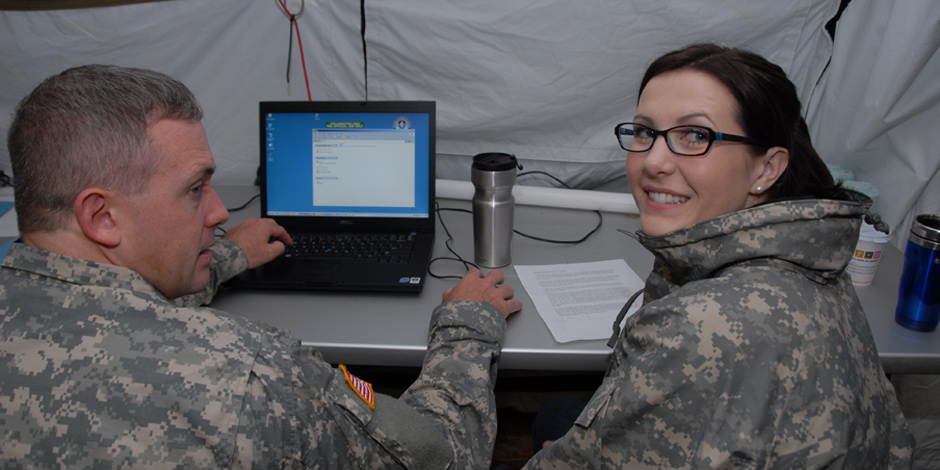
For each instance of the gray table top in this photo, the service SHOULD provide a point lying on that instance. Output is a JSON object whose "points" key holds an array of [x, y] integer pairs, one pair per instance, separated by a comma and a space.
{"points": [[391, 329]]}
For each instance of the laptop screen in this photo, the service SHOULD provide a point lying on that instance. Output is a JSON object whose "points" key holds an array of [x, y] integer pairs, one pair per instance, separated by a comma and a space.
{"points": [[348, 159]]}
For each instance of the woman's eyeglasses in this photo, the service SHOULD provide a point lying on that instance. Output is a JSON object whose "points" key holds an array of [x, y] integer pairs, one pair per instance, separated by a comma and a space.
{"points": [[689, 141]]}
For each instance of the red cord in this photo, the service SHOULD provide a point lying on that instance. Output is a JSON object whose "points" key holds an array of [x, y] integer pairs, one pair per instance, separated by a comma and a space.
{"points": [[300, 45]]}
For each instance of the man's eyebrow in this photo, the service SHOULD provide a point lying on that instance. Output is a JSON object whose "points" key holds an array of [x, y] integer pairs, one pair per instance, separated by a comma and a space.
{"points": [[201, 174]]}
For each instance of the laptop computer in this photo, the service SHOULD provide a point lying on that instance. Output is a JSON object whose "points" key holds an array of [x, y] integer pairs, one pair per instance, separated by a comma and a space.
{"points": [[346, 170]]}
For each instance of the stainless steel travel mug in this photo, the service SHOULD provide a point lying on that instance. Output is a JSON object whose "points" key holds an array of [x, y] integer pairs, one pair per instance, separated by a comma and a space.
{"points": [[493, 175], [919, 292]]}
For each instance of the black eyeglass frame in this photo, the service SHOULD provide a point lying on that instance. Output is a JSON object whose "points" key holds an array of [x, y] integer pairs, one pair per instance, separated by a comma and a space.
{"points": [[713, 136]]}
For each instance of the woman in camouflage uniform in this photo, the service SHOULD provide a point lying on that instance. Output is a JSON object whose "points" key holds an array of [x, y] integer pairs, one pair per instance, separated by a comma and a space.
{"points": [[751, 349]]}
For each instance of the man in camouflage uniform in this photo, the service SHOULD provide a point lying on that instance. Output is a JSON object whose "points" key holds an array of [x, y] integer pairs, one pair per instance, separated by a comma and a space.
{"points": [[751, 351], [108, 357]]}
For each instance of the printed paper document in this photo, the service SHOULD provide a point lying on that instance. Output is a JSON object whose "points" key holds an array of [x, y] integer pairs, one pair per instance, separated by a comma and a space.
{"points": [[580, 301]]}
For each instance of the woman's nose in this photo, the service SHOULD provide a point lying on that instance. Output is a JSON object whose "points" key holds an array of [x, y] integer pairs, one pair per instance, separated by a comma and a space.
{"points": [[659, 158]]}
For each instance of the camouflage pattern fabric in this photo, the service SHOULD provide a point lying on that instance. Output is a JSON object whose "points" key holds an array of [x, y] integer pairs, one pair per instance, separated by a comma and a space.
{"points": [[99, 370], [751, 351]]}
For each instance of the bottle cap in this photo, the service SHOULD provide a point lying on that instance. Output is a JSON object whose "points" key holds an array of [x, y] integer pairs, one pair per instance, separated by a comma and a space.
{"points": [[494, 161], [925, 231]]}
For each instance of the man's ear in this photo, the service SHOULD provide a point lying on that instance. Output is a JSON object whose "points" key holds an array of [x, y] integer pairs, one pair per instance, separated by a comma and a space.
{"points": [[775, 162], [94, 210]]}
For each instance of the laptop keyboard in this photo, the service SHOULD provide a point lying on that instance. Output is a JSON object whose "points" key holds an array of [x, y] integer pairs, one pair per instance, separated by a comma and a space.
{"points": [[370, 248]]}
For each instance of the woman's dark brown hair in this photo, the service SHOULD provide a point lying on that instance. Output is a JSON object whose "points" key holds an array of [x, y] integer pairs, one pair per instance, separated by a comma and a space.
{"points": [[768, 108]]}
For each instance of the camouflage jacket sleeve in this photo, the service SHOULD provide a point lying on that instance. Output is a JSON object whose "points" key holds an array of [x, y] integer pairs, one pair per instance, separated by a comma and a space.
{"points": [[455, 388], [228, 260], [300, 412]]}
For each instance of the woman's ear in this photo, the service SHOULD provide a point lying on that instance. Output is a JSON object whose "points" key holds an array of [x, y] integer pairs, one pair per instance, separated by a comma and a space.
{"points": [[773, 163], [94, 210]]}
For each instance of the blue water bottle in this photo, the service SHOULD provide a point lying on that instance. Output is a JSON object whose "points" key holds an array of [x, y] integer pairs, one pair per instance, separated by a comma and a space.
{"points": [[919, 292]]}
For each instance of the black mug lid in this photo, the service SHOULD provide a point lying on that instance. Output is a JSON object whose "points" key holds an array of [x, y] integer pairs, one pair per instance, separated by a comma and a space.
{"points": [[494, 161]]}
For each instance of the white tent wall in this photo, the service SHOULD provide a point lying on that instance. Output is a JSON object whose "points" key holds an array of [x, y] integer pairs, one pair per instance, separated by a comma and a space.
{"points": [[548, 81], [544, 80], [877, 109], [232, 54]]}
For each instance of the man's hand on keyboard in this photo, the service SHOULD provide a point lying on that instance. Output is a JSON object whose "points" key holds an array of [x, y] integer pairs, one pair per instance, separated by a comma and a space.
{"points": [[261, 239], [475, 287]]}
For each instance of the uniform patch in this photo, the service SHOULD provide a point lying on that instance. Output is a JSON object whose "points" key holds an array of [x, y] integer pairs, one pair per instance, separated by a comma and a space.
{"points": [[361, 387]]}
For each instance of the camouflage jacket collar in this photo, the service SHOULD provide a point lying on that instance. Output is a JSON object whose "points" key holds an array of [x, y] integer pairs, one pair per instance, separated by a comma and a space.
{"points": [[35, 261], [813, 236]]}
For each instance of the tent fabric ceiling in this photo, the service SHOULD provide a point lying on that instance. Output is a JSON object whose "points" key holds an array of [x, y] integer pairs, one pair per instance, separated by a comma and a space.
{"points": [[544, 80], [549, 81], [27, 5]]}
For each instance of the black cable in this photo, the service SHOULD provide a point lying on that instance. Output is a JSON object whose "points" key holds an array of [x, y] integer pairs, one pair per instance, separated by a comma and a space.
{"points": [[537, 172], [600, 217], [365, 58], [458, 258], [290, 45], [600, 221], [256, 196], [290, 29]]}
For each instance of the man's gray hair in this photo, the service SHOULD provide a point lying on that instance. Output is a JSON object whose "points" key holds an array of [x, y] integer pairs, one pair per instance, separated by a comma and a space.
{"points": [[87, 127]]}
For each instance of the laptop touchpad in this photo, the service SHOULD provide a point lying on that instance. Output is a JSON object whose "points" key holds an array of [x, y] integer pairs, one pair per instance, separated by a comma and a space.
{"points": [[315, 268]]}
